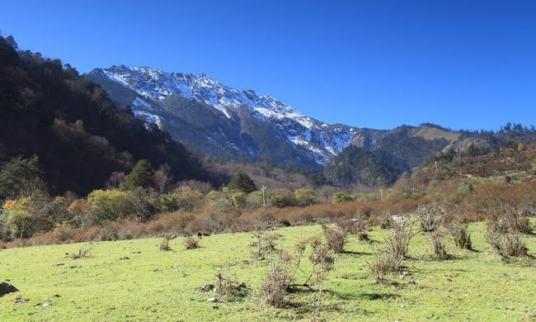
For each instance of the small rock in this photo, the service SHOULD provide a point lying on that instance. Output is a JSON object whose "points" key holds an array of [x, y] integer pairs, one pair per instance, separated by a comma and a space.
{"points": [[6, 288], [212, 300], [45, 303], [19, 300], [207, 287]]}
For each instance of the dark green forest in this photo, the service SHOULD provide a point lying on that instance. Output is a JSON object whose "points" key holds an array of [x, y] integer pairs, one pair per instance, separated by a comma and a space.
{"points": [[70, 127]]}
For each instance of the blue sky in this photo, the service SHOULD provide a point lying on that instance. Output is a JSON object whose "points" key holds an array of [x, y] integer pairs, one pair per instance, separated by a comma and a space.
{"points": [[379, 64]]}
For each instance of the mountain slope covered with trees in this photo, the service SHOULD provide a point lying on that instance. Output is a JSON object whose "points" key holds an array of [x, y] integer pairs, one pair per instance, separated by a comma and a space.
{"points": [[72, 130]]}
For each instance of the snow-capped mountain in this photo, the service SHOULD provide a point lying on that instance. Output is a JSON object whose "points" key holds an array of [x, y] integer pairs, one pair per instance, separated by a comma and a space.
{"points": [[216, 120], [241, 124]]}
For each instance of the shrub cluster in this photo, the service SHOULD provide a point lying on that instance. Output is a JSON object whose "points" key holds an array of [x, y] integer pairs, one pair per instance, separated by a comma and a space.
{"points": [[335, 238], [506, 243], [461, 237], [276, 284]]}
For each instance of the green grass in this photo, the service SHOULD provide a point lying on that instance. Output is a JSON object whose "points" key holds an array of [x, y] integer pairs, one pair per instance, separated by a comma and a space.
{"points": [[162, 286]]}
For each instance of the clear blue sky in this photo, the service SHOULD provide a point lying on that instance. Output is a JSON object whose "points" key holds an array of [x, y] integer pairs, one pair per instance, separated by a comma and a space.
{"points": [[463, 64]]}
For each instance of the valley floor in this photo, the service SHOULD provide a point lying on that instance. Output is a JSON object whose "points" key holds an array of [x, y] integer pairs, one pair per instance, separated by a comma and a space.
{"points": [[135, 281]]}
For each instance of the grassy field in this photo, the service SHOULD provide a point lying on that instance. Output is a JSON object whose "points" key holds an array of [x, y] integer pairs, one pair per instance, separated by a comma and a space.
{"points": [[154, 285]]}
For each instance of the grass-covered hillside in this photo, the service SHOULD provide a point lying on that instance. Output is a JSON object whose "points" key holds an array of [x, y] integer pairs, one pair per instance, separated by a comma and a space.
{"points": [[134, 280]]}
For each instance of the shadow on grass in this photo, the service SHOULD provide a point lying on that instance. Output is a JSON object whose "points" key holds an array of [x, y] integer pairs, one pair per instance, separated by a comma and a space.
{"points": [[305, 306], [303, 310], [523, 261], [372, 241], [345, 296], [379, 296], [355, 276], [351, 252], [433, 258]]}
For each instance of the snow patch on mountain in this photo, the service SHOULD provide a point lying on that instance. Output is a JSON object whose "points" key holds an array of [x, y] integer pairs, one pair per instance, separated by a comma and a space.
{"points": [[138, 102], [148, 118]]}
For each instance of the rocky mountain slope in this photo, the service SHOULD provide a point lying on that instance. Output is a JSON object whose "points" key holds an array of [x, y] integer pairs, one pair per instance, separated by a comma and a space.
{"points": [[218, 120]]}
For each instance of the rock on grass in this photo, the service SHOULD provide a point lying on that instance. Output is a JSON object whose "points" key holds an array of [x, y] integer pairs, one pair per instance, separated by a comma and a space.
{"points": [[6, 288]]}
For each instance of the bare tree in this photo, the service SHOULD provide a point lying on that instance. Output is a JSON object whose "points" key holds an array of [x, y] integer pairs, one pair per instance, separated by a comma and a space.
{"points": [[162, 178]]}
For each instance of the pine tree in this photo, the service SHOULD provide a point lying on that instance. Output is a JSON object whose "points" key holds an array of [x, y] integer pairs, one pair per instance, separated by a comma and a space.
{"points": [[140, 175], [242, 182], [21, 177]]}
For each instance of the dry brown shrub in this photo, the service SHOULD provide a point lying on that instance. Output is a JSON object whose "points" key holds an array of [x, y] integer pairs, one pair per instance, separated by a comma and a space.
{"points": [[228, 288], [491, 199], [323, 261], [335, 238], [275, 286], [398, 243], [191, 243], [461, 237], [164, 244], [440, 250], [384, 264], [430, 217], [509, 220], [60, 234], [357, 225], [264, 244], [81, 253], [384, 221], [209, 220], [506, 244]]}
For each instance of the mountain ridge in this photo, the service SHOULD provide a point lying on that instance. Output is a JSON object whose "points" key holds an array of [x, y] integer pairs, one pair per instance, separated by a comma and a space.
{"points": [[216, 120], [241, 125]]}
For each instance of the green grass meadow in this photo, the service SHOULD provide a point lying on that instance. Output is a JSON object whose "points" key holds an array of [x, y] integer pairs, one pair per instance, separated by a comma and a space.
{"points": [[155, 285]]}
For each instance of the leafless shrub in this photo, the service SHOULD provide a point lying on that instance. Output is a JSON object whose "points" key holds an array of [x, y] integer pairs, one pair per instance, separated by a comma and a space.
{"points": [[335, 238], [430, 217], [523, 225], [81, 253], [461, 237], [322, 260], [385, 221], [507, 245], [227, 288], [518, 220], [264, 244], [358, 225], [398, 243], [191, 243], [276, 284], [439, 247], [509, 220], [384, 264], [164, 244]]}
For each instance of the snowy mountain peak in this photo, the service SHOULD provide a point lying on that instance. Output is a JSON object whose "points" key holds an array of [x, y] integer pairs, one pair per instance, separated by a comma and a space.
{"points": [[318, 141], [157, 85]]}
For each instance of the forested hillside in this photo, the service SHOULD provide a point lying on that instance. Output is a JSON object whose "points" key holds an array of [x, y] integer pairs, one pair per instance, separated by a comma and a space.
{"points": [[71, 129]]}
